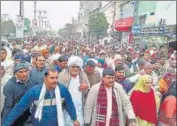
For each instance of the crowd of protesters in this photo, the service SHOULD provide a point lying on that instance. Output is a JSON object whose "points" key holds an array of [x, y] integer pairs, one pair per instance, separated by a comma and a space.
{"points": [[45, 82]]}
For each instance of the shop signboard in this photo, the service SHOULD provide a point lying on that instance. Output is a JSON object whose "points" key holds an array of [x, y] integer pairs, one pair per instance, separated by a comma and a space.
{"points": [[161, 30], [136, 29]]}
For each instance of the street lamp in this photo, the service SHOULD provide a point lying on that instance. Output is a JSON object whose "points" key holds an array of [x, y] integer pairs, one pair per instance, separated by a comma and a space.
{"points": [[41, 17]]}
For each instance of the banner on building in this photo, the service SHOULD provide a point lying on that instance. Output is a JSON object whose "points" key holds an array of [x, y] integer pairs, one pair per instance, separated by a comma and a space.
{"points": [[160, 30]]}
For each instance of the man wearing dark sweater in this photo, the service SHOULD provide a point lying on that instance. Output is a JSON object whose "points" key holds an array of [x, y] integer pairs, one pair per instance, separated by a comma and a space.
{"points": [[15, 88]]}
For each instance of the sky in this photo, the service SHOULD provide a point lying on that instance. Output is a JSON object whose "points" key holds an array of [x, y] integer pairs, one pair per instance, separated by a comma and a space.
{"points": [[58, 12]]}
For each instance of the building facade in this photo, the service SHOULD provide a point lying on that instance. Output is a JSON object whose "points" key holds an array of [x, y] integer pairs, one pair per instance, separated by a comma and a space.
{"points": [[86, 7], [124, 20], [154, 14]]}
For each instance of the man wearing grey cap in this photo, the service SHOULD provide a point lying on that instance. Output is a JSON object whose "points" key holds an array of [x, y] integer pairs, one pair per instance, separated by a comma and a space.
{"points": [[106, 102], [15, 88]]}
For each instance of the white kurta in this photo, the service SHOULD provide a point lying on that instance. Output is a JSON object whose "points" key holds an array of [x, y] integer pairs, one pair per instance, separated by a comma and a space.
{"points": [[4, 80], [109, 105], [77, 99], [7, 63]]}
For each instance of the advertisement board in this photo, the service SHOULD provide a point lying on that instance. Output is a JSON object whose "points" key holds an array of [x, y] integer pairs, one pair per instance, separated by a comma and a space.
{"points": [[160, 30]]}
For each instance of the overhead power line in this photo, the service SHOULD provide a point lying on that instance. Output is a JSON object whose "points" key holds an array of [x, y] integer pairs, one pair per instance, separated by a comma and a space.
{"points": [[106, 7]]}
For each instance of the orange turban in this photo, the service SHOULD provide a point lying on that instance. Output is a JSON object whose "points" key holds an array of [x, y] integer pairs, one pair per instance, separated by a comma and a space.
{"points": [[44, 52]]}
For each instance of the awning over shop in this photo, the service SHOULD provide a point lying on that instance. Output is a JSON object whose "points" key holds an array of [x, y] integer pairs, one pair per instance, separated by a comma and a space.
{"points": [[124, 25]]}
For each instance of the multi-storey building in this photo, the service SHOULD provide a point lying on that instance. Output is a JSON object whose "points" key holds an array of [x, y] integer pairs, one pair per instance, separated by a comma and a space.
{"points": [[155, 16], [143, 14], [124, 19], [86, 7]]}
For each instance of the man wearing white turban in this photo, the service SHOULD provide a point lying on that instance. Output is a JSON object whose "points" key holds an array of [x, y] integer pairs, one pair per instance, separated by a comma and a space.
{"points": [[77, 83]]}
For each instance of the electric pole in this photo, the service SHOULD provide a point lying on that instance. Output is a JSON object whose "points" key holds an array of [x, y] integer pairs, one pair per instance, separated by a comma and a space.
{"points": [[35, 9], [20, 21], [22, 9], [34, 20], [136, 12], [39, 20], [113, 16]]}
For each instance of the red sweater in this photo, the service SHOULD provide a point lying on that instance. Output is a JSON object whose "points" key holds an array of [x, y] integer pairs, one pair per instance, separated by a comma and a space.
{"points": [[144, 106]]}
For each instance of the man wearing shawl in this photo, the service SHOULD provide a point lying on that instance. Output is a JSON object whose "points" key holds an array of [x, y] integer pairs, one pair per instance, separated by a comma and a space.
{"points": [[106, 102], [47, 102]]}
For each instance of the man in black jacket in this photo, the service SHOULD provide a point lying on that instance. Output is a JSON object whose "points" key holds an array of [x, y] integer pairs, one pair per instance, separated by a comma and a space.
{"points": [[15, 88]]}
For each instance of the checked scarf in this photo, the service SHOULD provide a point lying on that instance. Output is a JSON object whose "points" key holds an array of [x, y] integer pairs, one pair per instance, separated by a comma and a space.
{"points": [[101, 108]]}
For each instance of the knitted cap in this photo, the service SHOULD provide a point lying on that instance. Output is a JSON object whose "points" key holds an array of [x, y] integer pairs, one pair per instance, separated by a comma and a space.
{"points": [[21, 65]]}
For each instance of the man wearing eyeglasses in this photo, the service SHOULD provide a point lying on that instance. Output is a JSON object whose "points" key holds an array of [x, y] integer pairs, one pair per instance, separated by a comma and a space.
{"points": [[77, 83]]}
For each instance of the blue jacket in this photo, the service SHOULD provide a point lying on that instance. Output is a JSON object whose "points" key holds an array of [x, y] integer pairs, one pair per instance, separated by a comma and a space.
{"points": [[49, 115], [13, 92], [38, 75], [126, 85], [58, 69]]}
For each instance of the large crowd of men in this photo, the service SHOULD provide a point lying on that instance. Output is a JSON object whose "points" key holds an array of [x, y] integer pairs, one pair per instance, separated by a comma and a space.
{"points": [[45, 82]]}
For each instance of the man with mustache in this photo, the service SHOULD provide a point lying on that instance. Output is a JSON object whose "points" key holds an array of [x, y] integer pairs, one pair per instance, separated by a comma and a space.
{"points": [[106, 101], [47, 101]]}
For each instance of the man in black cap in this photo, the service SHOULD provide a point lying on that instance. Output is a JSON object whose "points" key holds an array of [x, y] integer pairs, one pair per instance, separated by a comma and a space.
{"points": [[106, 102], [15, 88], [92, 75]]}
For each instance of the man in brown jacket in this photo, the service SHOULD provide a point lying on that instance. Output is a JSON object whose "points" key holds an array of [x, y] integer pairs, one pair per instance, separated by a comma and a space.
{"points": [[92, 75]]}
